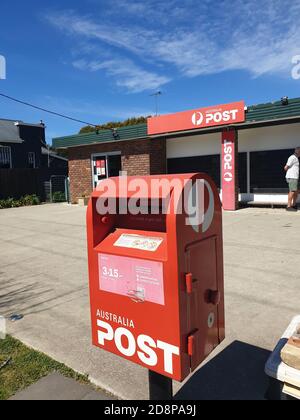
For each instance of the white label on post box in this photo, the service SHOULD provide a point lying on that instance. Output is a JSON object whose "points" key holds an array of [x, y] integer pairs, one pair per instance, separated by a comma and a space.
{"points": [[145, 243], [141, 280]]}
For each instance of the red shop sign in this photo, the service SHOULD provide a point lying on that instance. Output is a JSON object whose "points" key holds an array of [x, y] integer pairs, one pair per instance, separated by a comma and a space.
{"points": [[199, 118]]}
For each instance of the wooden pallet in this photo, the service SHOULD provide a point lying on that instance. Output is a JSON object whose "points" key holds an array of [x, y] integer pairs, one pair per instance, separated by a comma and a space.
{"points": [[290, 354]]}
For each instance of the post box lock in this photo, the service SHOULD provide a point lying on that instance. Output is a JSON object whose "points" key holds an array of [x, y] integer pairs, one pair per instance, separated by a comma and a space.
{"points": [[214, 297], [104, 220]]}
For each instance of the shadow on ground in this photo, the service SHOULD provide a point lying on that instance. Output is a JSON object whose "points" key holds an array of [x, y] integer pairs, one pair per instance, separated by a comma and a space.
{"points": [[237, 373], [33, 298]]}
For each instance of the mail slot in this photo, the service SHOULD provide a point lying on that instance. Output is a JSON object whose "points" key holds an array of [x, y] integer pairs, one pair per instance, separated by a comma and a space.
{"points": [[155, 253]]}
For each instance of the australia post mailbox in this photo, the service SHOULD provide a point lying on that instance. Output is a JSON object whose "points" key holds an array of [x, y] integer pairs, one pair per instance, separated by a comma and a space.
{"points": [[156, 270]]}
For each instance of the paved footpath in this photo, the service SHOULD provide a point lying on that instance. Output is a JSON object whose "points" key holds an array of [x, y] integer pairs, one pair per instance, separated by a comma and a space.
{"points": [[43, 275], [56, 387]]}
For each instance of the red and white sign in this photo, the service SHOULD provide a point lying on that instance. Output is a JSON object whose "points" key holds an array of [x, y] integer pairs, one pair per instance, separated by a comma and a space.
{"points": [[199, 118], [139, 310], [228, 170], [100, 167], [132, 277], [149, 351]]}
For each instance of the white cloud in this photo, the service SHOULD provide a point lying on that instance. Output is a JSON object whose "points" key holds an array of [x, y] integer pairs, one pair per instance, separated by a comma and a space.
{"points": [[162, 12], [196, 38], [129, 76]]}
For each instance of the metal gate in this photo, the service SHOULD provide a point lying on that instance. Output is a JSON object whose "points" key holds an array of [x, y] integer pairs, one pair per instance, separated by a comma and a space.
{"points": [[59, 189]]}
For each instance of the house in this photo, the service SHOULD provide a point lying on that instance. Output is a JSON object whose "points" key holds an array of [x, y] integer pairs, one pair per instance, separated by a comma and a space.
{"points": [[23, 145], [27, 164]]}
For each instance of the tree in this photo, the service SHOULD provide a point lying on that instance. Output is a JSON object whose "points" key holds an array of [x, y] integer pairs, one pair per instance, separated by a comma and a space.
{"points": [[114, 124]]}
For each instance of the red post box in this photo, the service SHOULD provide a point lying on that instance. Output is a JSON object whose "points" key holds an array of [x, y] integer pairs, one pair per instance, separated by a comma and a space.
{"points": [[156, 275]]}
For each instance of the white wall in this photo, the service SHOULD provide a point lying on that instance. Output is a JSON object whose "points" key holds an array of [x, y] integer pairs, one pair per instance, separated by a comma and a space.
{"points": [[270, 138], [256, 139], [207, 144]]}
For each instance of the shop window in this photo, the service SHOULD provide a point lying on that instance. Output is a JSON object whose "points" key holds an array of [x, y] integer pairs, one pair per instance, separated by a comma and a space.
{"points": [[114, 165], [243, 173], [5, 157], [207, 164], [267, 171]]}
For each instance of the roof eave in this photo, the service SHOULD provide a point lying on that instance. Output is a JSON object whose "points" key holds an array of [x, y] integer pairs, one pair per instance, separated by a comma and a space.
{"points": [[19, 123], [102, 142], [269, 123], [16, 141], [59, 157], [243, 126]]}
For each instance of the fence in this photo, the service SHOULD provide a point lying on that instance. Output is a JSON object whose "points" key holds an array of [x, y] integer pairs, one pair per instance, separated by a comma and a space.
{"points": [[16, 183]]}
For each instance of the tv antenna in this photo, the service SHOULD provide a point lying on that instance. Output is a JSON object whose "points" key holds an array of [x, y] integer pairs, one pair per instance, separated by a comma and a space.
{"points": [[156, 96]]}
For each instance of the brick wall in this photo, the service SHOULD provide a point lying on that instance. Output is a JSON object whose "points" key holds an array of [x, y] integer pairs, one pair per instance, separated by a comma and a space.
{"points": [[139, 157]]}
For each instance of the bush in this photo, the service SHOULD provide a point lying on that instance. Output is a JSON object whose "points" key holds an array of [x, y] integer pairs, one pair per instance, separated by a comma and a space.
{"points": [[58, 197], [4, 204], [28, 200]]}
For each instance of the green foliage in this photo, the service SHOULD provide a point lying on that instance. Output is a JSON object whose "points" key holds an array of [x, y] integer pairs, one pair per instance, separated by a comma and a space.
{"points": [[58, 197], [27, 200], [30, 200], [26, 367], [116, 124]]}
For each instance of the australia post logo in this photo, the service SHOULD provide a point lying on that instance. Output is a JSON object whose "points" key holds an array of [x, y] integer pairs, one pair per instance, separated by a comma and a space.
{"points": [[118, 333], [228, 161], [197, 118], [232, 113], [214, 117]]}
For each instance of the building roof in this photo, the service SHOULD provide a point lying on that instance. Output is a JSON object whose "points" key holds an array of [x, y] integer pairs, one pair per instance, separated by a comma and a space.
{"points": [[257, 115], [273, 111], [54, 155], [132, 132], [9, 132]]}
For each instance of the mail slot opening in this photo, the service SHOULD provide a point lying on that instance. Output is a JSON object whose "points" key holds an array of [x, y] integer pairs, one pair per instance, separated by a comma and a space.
{"points": [[142, 214]]}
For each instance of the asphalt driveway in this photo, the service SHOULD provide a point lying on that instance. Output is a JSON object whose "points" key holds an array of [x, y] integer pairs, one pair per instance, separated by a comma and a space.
{"points": [[43, 275]]}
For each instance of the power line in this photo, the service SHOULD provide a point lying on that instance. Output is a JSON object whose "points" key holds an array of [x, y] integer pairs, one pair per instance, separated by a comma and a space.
{"points": [[47, 110]]}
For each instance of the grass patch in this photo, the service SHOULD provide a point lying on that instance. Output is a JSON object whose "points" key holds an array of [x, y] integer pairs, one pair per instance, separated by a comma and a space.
{"points": [[26, 367]]}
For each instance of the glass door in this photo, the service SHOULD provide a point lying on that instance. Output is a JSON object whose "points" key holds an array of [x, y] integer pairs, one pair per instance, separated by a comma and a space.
{"points": [[99, 169], [114, 165], [106, 166]]}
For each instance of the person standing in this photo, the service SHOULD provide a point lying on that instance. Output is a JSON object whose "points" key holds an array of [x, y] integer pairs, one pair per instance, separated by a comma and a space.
{"points": [[292, 177]]}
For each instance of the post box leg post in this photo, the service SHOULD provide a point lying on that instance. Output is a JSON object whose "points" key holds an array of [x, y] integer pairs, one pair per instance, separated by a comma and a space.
{"points": [[160, 387]]}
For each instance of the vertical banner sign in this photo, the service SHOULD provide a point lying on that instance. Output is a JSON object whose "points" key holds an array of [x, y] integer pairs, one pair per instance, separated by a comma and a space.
{"points": [[229, 173]]}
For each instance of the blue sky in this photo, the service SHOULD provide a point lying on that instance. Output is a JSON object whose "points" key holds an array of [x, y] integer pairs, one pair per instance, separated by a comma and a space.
{"points": [[100, 60]]}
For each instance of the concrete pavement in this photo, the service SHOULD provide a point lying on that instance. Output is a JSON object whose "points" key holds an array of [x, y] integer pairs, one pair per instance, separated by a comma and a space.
{"points": [[56, 387], [43, 275]]}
